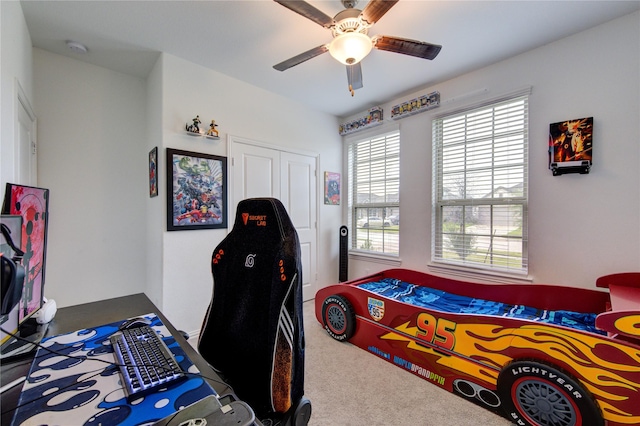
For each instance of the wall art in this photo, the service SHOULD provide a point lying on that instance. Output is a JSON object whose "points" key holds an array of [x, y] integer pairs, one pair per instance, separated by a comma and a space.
{"points": [[196, 190], [332, 188], [153, 172], [571, 146]]}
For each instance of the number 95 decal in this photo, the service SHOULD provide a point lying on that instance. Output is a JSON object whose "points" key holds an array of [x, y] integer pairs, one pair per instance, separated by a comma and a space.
{"points": [[437, 331]]}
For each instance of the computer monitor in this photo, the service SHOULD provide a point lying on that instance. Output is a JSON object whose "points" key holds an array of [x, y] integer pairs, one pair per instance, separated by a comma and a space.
{"points": [[32, 204]]}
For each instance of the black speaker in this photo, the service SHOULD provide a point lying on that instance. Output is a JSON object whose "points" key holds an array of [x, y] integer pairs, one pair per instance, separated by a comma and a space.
{"points": [[343, 271]]}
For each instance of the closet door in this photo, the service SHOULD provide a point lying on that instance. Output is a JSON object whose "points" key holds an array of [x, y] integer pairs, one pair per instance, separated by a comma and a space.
{"points": [[256, 173], [298, 194], [263, 171]]}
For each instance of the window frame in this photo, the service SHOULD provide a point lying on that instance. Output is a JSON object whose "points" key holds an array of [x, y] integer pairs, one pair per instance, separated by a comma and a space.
{"points": [[384, 136], [440, 202]]}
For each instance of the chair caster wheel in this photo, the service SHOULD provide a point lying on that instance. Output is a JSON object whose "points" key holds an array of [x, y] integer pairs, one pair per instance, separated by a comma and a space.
{"points": [[302, 414]]}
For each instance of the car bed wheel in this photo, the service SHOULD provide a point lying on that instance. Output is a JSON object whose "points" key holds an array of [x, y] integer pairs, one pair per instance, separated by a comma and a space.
{"points": [[534, 393], [338, 317]]}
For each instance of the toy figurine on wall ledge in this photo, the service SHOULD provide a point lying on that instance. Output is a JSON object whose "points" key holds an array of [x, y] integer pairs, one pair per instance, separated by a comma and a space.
{"points": [[212, 133], [194, 129]]}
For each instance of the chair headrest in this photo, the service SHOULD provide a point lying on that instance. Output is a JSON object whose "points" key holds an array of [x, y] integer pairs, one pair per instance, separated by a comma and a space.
{"points": [[263, 215]]}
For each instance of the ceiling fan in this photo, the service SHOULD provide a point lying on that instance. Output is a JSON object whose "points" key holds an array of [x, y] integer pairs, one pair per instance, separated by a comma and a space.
{"points": [[350, 42]]}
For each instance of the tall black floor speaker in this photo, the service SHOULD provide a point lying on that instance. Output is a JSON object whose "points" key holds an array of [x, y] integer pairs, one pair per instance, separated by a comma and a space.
{"points": [[343, 272]]}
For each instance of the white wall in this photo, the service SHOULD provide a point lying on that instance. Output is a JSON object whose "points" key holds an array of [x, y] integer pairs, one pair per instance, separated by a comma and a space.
{"points": [[580, 226], [107, 238], [16, 65], [155, 222], [251, 113], [93, 158]]}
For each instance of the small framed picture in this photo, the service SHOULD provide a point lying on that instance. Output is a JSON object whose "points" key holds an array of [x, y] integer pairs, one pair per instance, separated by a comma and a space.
{"points": [[196, 190], [332, 188], [571, 140], [153, 172]]}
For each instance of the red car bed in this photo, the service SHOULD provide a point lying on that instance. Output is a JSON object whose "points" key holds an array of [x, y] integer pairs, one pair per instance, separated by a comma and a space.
{"points": [[538, 354]]}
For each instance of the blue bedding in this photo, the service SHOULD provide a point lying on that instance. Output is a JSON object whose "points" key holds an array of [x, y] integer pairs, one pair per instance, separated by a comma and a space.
{"points": [[442, 301]]}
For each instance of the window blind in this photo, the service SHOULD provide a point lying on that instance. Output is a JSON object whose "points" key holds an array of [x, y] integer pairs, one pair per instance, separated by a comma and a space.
{"points": [[480, 187], [374, 196]]}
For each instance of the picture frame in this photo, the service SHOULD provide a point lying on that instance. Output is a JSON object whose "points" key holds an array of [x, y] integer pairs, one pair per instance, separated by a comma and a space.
{"points": [[571, 146], [332, 188], [153, 172], [196, 190], [32, 204], [571, 140]]}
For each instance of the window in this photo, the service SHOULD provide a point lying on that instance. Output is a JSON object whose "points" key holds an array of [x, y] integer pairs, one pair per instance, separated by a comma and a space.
{"points": [[374, 193], [480, 187]]}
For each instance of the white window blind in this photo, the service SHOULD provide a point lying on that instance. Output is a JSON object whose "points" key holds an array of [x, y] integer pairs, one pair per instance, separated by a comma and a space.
{"points": [[374, 193], [480, 187]]}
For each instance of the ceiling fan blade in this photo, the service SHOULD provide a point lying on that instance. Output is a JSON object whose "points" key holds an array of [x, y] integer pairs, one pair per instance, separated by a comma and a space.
{"points": [[305, 9], [405, 46], [298, 59], [375, 9], [354, 77]]}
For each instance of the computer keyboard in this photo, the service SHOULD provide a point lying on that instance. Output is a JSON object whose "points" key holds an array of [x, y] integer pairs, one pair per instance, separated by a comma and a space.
{"points": [[145, 361]]}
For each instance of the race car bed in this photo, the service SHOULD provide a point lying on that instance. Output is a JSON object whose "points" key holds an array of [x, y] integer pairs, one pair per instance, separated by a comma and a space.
{"points": [[538, 354]]}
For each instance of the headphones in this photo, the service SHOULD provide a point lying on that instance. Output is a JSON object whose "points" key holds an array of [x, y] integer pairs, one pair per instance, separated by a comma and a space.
{"points": [[13, 274]]}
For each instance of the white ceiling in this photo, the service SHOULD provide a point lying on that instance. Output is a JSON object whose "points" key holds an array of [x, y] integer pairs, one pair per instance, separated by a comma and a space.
{"points": [[244, 39]]}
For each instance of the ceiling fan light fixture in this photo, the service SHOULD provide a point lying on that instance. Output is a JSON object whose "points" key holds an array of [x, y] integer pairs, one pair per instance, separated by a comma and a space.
{"points": [[350, 48]]}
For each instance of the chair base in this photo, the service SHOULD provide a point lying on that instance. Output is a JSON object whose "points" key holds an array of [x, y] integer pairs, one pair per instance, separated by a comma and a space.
{"points": [[298, 415]]}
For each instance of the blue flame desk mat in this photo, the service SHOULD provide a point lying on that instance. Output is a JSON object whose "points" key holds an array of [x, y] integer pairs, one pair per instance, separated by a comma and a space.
{"points": [[60, 390]]}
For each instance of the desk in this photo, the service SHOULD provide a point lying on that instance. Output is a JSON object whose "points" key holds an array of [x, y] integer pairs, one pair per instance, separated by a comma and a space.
{"points": [[94, 314]]}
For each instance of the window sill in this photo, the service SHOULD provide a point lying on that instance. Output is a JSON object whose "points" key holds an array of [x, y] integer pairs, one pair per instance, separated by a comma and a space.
{"points": [[375, 258], [479, 274]]}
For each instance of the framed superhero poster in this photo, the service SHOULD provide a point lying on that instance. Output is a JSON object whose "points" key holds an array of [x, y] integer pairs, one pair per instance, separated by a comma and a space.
{"points": [[33, 205], [196, 191]]}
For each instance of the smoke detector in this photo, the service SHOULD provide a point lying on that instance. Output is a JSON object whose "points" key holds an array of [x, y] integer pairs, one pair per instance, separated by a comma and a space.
{"points": [[76, 47]]}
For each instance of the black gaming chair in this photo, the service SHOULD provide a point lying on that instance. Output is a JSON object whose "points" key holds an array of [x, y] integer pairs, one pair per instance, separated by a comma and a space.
{"points": [[253, 333]]}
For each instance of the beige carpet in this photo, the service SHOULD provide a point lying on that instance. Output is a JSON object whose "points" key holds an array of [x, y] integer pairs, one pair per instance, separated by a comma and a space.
{"points": [[348, 386]]}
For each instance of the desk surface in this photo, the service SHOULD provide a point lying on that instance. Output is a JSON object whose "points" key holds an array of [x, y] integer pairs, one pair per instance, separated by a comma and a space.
{"points": [[94, 314]]}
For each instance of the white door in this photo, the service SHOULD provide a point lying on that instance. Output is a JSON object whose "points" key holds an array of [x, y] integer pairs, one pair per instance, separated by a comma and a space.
{"points": [[298, 194], [27, 164], [255, 172], [259, 171]]}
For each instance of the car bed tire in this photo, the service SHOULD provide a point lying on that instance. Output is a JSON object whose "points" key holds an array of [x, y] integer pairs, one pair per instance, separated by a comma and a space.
{"points": [[531, 390], [338, 317]]}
